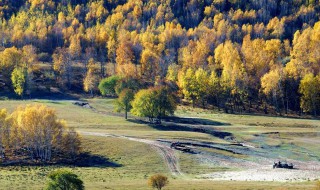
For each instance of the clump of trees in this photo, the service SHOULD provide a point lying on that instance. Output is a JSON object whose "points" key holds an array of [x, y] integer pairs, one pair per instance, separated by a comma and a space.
{"points": [[158, 181], [143, 101], [62, 179], [34, 133]]}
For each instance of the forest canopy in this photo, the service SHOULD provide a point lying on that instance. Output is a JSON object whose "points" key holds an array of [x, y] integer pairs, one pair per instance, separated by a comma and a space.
{"points": [[231, 54]]}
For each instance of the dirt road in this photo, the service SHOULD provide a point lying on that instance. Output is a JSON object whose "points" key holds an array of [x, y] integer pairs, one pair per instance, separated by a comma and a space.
{"points": [[165, 151]]}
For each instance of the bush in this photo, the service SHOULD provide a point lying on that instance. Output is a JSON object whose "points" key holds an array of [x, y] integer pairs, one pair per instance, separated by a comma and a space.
{"points": [[158, 181], [61, 180]]}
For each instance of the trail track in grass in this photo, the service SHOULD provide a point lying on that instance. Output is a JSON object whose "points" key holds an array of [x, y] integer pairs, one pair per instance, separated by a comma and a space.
{"points": [[165, 151]]}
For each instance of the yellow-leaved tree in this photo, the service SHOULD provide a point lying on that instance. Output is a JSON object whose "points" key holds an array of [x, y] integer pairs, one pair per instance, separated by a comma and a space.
{"points": [[271, 86], [3, 116], [35, 132], [62, 66], [227, 55], [233, 77], [149, 65], [75, 46], [309, 88], [90, 82], [10, 59], [125, 58], [305, 55]]}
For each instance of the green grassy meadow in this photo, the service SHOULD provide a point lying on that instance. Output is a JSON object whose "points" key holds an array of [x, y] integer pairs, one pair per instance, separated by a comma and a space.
{"points": [[128, 164]]}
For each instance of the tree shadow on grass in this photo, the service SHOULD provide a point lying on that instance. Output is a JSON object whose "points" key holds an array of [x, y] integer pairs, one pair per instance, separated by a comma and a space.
{"points": [[89, 160], [83, 160], [182, 120], [187, 124], [193, 121]]}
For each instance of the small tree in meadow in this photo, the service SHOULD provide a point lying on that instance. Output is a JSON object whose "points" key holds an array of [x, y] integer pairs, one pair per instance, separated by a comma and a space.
{"points": [[64, 180], [153, 103], [158, 181], [123, 103]]}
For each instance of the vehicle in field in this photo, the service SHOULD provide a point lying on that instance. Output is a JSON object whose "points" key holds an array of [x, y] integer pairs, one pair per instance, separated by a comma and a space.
{"points": [[280, 164]]}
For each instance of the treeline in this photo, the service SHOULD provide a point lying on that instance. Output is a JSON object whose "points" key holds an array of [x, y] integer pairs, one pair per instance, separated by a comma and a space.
{"points": [[33, 133], [232, 54]]}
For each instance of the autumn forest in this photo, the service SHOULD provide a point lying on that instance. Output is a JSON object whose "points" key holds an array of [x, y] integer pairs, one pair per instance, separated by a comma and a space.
{"points": [[234, 55]]}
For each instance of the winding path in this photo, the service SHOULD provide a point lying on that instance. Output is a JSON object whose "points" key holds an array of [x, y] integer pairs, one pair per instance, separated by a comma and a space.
{"points": [[165, 151]]}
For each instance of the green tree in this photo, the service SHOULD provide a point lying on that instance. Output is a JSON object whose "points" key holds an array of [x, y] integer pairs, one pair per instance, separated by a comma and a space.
{"points": [[124, 100], [165, 102], [215, 91], [194, 85], [202, 81], [158, 181], [18, 81], [107, 85], [172, 73], [186, 81], [128, 83], [153, 103], [64, 180]]}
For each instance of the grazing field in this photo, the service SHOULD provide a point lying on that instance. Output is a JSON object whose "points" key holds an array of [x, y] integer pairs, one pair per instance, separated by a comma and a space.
{"points": [[226, 151]]}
